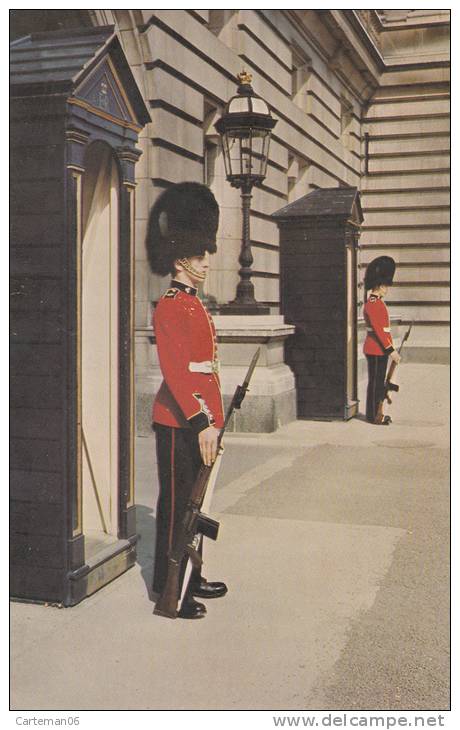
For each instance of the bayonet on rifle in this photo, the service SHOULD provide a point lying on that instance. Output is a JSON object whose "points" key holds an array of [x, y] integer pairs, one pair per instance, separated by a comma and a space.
{"points": [[406, 337], [388, 384], [240, 392]]}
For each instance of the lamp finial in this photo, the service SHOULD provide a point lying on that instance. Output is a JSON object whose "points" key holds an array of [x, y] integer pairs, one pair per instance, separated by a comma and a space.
{"points": [[244, 77]]}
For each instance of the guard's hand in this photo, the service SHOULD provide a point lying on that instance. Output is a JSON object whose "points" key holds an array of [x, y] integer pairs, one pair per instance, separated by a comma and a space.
{"points": [[395, 356], [207, 441]]}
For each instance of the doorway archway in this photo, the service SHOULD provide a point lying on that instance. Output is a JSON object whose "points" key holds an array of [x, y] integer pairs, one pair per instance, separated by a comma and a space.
{"points": [[100, 347]]}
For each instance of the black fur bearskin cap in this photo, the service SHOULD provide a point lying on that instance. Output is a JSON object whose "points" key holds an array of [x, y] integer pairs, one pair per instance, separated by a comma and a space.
{"points": [[380, 271], [183, 222]]}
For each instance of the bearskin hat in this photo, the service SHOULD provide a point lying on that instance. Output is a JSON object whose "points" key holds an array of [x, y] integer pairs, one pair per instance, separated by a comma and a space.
{"points": [[380, 271], [183, 222]]}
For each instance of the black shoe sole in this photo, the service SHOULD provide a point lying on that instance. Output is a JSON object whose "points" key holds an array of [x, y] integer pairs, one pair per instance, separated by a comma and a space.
{"points": [[209, 595], [192, 615]]}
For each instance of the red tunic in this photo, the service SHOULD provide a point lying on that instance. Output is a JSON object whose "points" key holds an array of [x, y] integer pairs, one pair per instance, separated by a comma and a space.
{"points": [[378, 340], [186, 341]]}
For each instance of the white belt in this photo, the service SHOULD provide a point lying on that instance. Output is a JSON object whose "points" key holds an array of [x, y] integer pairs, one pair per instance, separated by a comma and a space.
{"points": [[385, 329], [207, 366]]}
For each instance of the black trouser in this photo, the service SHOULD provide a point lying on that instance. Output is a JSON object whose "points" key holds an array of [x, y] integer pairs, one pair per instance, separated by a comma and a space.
{"points": [[179, 461], [377, 369]]}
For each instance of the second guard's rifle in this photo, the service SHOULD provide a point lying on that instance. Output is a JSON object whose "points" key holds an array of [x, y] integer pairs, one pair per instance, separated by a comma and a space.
{"points": [[389, 385], [194, 520]]}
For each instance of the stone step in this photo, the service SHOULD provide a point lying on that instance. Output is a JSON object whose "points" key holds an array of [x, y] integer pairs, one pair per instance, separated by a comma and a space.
{"points": [[427, 336], [407, 217], [420, 292], [400, 182], [396, 145], [397, 127], [418, 163], [407, 109], [401, 236], [411, 254], [389, 201], [429, 272], [432, 312]]}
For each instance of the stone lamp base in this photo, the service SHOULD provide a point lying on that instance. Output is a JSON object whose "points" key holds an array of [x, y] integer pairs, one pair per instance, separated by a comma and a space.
{"points": [[271, 399]]}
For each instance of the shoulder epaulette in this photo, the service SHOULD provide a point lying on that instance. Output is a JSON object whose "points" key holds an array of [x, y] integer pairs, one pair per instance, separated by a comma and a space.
{"points": [[171, 293]]}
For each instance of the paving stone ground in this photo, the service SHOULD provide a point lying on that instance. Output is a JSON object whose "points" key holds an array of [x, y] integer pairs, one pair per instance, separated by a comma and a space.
{"points": [[334, 542]]}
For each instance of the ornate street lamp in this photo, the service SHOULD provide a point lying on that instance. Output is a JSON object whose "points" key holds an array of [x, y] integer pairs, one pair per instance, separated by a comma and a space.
{"points": [[245, 129]]}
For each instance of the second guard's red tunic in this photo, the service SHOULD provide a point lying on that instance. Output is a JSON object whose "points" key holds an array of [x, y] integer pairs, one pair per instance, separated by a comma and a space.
{"points": [[189, 395], [378, 340]]}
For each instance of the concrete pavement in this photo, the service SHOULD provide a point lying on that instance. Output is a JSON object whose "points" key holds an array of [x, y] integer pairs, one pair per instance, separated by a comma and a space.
{"points": [[334, 543]]}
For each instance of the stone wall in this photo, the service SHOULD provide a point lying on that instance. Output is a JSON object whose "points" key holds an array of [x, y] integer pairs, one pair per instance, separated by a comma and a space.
{"points": [[406, 193], [330, 77]]}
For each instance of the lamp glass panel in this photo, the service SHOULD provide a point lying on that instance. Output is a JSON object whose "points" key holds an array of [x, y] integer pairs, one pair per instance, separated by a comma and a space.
{"points": [[246, 156], [246, 151], [259, 106], [265, 149], [260, 153], [235, 153], [257, 155], [226, 142], [238, 104]]}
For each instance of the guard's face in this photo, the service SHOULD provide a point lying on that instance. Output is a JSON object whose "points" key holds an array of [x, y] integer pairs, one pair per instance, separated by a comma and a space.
{"points": [[200, 264], [194, 268]]}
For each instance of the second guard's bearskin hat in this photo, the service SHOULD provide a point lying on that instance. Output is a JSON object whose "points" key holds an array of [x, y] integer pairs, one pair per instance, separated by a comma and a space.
{"points": [[183, 222], [380, 271]]}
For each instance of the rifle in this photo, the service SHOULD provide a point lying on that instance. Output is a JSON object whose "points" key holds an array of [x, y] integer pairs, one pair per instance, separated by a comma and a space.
{"points": [[194, 521], [389, 385]]}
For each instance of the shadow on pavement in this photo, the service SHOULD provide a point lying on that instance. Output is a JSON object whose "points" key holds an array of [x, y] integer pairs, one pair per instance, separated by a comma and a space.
{"points": [[146, 527]]}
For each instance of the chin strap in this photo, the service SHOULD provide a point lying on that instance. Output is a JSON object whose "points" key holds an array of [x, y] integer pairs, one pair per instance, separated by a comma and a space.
{"points": [[185, 263]]}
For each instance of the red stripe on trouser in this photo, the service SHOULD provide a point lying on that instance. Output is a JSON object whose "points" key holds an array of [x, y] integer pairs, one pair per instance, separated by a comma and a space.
{"points": [[374, 399], [171, 523]]}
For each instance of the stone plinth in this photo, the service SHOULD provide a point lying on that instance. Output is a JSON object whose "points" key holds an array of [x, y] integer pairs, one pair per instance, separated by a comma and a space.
{"points": [[271, 401]]}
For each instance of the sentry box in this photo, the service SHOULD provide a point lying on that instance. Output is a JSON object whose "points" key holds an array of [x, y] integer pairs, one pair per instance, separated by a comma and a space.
{"points": [[76, 117], [319, 236]]}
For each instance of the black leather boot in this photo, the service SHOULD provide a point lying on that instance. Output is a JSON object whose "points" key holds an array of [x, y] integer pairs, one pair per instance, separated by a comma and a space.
{"points": [[205, 589], [191, 609]]}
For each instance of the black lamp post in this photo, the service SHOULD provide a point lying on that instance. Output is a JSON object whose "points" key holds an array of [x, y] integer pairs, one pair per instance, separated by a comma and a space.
{"points": [[245, 129]]}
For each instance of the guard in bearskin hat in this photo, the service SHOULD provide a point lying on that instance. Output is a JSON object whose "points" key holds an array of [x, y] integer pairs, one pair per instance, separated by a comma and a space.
{"points": [[378, 345], [187, 411], [183, 222]]}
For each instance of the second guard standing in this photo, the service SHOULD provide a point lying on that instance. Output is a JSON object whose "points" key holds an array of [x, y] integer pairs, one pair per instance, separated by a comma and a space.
{"points": [[378, 345]]}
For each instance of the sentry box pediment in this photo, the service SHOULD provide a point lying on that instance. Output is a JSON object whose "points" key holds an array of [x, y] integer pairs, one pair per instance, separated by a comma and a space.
{"points": [[329, 204], [76, 116], [84, 64], [102, 94]]}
